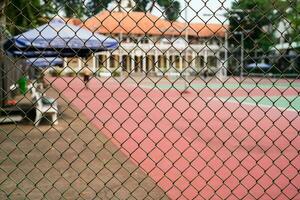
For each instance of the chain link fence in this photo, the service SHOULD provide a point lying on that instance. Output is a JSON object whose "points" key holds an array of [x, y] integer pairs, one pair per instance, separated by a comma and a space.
{"points": [[140, 99]]}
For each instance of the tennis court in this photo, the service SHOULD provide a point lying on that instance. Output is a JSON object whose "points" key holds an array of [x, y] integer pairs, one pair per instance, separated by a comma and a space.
{"points": [[223, 139]]}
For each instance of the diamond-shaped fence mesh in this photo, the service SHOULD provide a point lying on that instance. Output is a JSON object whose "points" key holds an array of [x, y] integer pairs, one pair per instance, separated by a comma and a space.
{"points": [[141, 99]]}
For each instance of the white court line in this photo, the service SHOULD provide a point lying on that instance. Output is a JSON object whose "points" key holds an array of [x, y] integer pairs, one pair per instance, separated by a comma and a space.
{"points": [[253, 104]]}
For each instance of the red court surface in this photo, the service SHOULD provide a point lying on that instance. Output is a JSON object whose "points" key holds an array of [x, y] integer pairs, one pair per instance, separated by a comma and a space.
{"points": [[194, 145]]}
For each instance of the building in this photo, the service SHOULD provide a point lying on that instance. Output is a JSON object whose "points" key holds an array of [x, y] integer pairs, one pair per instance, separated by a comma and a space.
{"points": [[151, 44]]}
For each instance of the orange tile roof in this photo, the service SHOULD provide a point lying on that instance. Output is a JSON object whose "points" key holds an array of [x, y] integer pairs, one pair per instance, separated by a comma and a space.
{"points": [[73, 21], [140, 23]]}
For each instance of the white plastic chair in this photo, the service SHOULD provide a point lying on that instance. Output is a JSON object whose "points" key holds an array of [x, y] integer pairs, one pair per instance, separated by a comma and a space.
{"points": [[44, 106]]}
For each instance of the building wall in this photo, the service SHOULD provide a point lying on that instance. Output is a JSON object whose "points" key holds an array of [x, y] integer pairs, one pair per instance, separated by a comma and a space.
{"points": [[138, 54]]}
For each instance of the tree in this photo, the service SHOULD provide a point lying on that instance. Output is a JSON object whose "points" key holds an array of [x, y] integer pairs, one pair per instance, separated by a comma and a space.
{"points": [[257, 20], [141, 5], [79, 8], [22, 15], [95, 6], [293, 17], [172, 10], [71, 8], [171, 7]]}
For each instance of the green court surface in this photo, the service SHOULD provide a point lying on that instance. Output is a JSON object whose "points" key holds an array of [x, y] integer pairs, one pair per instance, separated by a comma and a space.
{"points": [[291, 103], [181, 84], [287, 102]]}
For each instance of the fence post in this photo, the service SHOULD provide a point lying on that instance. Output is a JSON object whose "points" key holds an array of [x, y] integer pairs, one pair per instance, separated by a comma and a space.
{"points": [[2, 37]]}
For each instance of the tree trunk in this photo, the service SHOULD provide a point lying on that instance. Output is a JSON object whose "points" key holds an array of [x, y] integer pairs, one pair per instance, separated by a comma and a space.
{"points": [[2, 56]]}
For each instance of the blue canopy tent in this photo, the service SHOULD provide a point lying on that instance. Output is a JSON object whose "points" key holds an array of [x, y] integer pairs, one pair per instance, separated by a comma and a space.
{"points": [[44, 62], [58, 38], [55, 39], [36, 66]]}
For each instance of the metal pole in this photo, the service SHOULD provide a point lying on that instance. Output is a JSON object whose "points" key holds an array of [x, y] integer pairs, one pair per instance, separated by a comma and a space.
{"points": [[2, 65], [242, 54], [226, 54], [187, 43]]}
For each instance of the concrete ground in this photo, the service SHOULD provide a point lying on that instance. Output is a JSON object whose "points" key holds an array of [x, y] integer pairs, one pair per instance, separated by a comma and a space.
{"points": [[71, 160]]}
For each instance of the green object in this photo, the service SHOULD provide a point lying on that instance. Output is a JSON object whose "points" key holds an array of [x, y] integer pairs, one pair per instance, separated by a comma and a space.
{"points": [[23, 84]]}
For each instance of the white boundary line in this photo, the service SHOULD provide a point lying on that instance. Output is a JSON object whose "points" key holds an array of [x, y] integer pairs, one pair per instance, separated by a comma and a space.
{"points": [[253, 104]]}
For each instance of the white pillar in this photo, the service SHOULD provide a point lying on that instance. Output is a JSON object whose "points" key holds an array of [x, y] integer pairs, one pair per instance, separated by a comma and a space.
{"points": [[79, 64], [132, 63], [100, 61], [108, 61], [121, 62], [65, 62], [172, 62], [168, 60], [128, 58], [205, 59], [186, 60], [156, 61], [97, 62], [116, 61], [194, 59], [180, 63], [94, 63], [144, 62], [219, 65]]}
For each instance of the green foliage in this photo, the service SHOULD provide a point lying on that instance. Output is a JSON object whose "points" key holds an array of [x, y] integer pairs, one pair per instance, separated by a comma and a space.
{"points": [[71, 8], [258, 19], [171, 7], [294, 18], [172, 11], [21, 15], [141, 5], [76, 8], [95, 6], [255, 19]]}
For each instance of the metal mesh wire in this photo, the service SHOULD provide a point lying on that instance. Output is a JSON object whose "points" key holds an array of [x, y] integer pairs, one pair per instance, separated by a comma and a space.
{"points": [[139, 99]]}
